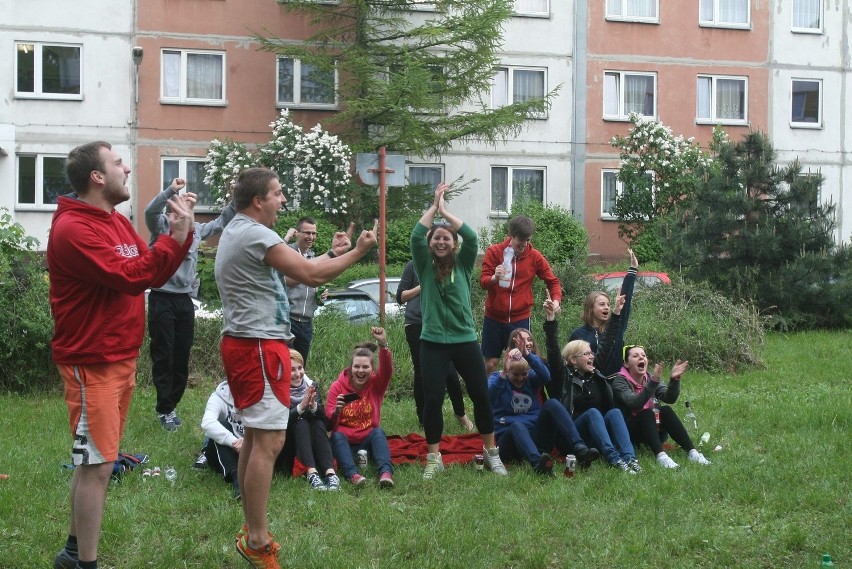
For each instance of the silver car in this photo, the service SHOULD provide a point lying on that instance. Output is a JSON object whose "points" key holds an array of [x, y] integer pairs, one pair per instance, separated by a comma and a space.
{"points": [[371, 287]]}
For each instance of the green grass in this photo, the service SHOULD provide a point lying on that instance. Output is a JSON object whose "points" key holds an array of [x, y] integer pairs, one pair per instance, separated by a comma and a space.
{"points": [[777, 494]]}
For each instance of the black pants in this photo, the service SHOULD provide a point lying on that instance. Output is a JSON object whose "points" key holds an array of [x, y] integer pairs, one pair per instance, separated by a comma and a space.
{"points": [[303, 334], [644, 429], [171, 326], [222, 458], [454, 390], [313, 448], [467, 359]]}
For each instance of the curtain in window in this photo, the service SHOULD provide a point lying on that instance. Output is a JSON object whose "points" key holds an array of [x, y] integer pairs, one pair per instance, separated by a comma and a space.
{"points": [[54, 179], [171, 170], [500, 88], [203, 76], [499, 189], [171, 74], [316, 86], [527, 85], [611, 94], [527, 185], [639, 95], [632, 8], [806, 14], [531, 6], [706, 9], [702, 102], [730, 99], [609, 191], [285, 80], [733, 11], [429, 176]]}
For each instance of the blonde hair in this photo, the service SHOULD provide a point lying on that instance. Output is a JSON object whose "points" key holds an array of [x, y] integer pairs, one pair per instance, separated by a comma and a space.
{"points": [[518, 366], [294, 355], [574, 348], [589, 307]]}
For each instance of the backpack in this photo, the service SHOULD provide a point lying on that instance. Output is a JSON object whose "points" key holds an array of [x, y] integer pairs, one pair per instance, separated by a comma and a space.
{"points": [[126, 463]]}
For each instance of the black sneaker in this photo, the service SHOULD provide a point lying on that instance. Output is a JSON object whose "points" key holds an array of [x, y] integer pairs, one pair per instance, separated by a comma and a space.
{"points": [[200, 462], [623, 466], [585, 455], [237, 494], [167, 420], [544, 466], [64, 560]]}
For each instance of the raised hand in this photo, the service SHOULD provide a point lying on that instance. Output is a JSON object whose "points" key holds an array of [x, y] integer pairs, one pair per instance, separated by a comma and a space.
{"points": [[678, 369], [181, 217], [634, 262], [620, 301], [368, 239], [380, 334]]}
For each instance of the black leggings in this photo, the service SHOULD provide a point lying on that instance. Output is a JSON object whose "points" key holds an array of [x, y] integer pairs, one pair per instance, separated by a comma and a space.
{"points": [[412, 336], [313, 448], [467, 359], [644, 429]]}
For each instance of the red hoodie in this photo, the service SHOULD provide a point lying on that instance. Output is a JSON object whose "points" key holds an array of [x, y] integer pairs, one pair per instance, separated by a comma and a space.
{"points": [[515, 302], [99, 267], [359, 417]]}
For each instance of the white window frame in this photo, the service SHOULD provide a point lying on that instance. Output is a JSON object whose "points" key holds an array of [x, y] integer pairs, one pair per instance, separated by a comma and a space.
{"points": [[38, 77], [713, 119], [183, 173], [38, 204], [410, 167], [528, 11], [615, 11], [797, 29], [716, 21], [806, 124], [297, 88], [182, 98], [621, 115], [619, 190], [510, 71], [509, 187]]}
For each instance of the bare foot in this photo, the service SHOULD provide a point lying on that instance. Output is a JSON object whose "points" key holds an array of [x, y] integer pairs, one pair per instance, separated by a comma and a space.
{"points": [[465, 422]]}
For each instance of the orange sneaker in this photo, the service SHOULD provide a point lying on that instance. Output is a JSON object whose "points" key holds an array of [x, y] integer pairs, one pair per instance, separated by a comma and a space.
{"points": [[264, 558]]}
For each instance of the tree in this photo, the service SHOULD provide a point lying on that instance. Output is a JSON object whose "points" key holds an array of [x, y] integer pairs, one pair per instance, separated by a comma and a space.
{"points": [[410, 80], [757, 232]]}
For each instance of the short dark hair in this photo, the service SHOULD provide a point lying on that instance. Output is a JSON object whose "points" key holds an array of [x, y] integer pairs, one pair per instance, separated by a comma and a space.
{"points": [[82, 161], [250, 183], [303, 220], [521, 226]]}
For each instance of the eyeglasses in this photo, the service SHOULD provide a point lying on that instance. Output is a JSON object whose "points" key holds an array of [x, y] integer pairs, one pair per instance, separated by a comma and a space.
{"points": [[629, 347]]}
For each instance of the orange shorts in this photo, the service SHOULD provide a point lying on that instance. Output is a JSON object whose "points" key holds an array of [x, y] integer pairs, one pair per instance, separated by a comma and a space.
{"points": [[258, 372], [98, 399]]}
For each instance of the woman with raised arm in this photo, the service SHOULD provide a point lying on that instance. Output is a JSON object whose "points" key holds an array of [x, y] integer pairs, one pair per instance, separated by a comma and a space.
{"points": [[449, 336]]}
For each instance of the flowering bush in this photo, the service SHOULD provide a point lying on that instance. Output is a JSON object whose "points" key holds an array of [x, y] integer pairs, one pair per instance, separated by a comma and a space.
{"points": [[225, 160]]}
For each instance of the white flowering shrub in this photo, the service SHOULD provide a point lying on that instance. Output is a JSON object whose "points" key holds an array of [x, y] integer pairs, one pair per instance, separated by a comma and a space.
{"points": [[225, 160]]}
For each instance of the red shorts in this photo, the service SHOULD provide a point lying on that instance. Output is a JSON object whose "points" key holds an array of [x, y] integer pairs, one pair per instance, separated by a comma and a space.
{"points": [[254, 366], [98, 399]]}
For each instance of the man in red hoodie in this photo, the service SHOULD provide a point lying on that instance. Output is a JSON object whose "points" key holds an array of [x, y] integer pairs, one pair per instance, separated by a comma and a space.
{"points": [[99, 269], [508, 270]]}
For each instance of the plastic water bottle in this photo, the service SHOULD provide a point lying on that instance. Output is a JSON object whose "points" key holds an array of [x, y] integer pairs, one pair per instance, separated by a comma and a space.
{"points": [[704, 438], [690, 415], [171, 474], [508, 255], [826, 561]]}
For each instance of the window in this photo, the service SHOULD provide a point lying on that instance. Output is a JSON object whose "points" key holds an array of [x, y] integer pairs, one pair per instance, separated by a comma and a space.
{"points": [[722, 100], [512, 184], [807, 103], [41, 180], [807, 16], [532, 7], [193, 77], [429, 175], [303, 84], [725, 13], [611, 189], [191, 170], [626, 93], [48, 71], [633, 10], [511, 85]]}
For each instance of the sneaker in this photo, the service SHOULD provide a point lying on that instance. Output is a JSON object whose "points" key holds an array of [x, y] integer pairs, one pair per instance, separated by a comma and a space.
{"points": [[177, 420], [623, 466], [434, 465], [696, 456], [666, 461], [386, 480], [544, 466], [64, 560], [585, 455], [634, 466], [167, 420], [466, 423], [200, 462], [357, 480], [493, 462], [264, 558], [237, 493], [332, 482], [315, 481]]}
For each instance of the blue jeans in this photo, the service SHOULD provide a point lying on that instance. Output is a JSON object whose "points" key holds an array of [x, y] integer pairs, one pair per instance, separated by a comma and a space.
{"points": [[376, 445], [552, 428], [303, 335], [602, 430]]}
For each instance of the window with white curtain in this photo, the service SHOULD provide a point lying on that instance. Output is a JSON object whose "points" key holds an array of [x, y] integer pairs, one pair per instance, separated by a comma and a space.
{"points": [[628, 92], [511, 184], [41, 180], [633, 10], [517, 85], [807, 15], [194, 77], [612, 188], [305, 85], [429, 175], [726, 13], [806, 103], [721, 99], [48, 71], [191, 170], [532, 7]]}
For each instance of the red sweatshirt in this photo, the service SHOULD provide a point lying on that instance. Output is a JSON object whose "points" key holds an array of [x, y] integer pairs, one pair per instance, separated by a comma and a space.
{"points": [[99, 267], [358, 418], [515, 302]]}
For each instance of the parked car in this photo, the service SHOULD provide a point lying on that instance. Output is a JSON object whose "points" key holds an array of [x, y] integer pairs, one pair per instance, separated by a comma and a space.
{"points": [[353, 303], [611, 282], [371, 287]]}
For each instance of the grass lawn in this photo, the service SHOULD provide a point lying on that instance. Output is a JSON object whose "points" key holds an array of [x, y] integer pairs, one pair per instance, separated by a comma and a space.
{"points": [[777, 495]]}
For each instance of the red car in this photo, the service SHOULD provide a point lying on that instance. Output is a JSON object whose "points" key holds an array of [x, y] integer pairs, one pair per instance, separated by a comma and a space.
{"points": [[611, 282]]}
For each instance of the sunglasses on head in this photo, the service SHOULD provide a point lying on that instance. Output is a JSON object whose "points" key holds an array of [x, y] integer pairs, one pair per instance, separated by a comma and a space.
{"points": [[628, 347]]}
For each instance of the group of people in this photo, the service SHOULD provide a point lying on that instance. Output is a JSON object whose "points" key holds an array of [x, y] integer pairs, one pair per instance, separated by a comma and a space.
{"points": [[99, 268]]}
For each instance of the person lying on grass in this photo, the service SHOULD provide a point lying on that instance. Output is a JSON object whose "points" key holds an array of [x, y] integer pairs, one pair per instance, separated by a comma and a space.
{"points": [[354, 410]]}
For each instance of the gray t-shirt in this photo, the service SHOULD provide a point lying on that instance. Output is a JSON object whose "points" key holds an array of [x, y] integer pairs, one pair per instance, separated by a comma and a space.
{"points": [[254, 297]]}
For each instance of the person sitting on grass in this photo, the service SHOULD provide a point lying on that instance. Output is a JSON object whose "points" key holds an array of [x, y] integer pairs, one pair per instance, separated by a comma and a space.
{"points": [[223, 429], [525, 428], [639, 394], [354, 410], [307, 428]]}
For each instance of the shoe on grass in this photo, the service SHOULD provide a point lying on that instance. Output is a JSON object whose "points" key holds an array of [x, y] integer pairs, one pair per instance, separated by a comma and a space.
{"points": [[623, 466], [493, 462], [64, 560], [585, 455], [544, 466], [332, 482], [665, 461], [167, 420], [434, 465], [696, 456], [237, 493], [315, 481], [635, 466], [264, 558], [357, 480], [200, 462], [386, 480]]}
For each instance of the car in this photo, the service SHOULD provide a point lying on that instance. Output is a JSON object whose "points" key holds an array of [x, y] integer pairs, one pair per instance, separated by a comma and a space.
{"points": [[371, 287], [611, 282], [353, 303]]}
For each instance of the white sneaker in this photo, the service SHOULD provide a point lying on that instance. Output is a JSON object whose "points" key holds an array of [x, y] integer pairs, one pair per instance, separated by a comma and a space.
{"points": [[493, 462], [666, 461], [434, 465], [696, 456]]}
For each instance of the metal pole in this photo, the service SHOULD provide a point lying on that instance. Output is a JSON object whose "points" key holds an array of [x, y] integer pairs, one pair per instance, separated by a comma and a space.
{"points": [[381, 235]]}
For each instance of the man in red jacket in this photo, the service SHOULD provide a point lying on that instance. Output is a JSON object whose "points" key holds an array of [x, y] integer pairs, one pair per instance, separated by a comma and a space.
{"points": [[508, 270], [99, 269]]}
